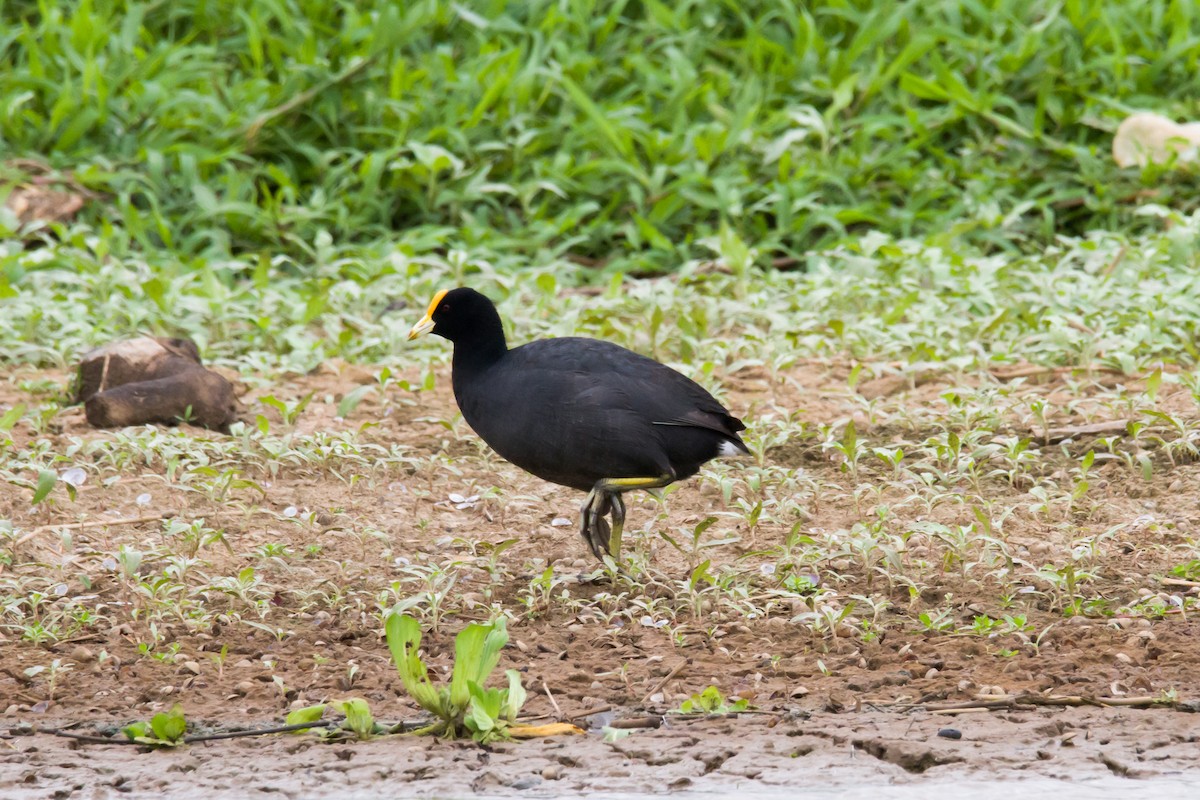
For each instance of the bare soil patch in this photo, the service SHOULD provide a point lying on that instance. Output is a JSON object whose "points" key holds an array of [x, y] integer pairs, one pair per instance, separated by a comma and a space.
{"points": [[835, 705]]}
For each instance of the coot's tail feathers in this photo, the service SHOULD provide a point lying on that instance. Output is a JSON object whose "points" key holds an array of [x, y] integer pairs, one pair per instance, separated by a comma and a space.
{"points": [[726, 425], [736, 441]]}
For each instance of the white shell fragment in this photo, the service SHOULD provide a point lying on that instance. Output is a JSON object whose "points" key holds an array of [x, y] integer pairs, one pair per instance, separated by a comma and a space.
{"points": [[74, 476], [459, 501]]}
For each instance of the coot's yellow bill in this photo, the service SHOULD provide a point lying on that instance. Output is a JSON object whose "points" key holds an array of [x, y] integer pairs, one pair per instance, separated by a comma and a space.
{"points": [[426, 324]]}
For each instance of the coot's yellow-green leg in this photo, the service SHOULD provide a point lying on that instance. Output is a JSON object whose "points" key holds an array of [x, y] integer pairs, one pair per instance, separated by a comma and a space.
{"points": [[606, 494], [613, 540], [592, 526]]}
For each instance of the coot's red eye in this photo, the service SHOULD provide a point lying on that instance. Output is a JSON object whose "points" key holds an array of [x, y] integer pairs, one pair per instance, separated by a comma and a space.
{"points": [[444, 308]]}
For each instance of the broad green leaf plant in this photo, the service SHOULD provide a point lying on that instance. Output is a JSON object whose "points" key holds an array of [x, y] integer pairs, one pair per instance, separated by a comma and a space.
{"points": [[465, 708], [165, 729]]}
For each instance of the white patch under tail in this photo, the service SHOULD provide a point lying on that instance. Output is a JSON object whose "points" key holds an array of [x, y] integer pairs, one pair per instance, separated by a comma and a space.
{"points": [[728, 448]]}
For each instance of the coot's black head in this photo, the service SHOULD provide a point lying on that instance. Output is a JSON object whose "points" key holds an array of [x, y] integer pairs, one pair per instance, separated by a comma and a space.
{"points": [[464, 316]]}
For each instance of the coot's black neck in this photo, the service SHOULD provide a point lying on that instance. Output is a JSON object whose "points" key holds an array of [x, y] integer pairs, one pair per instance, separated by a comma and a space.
{"points": [[480, 346]]}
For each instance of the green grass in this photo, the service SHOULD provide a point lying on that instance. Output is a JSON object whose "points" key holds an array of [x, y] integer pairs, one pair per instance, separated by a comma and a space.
{"points": [[618, 133]]}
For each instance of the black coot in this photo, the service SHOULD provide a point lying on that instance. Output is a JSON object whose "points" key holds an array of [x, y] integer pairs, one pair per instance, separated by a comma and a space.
{"points": [[579, 412]]}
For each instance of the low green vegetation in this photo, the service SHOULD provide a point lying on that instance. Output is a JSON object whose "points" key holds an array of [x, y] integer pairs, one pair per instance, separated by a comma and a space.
{"points": [[712, 701], [887, 235], [165, 729], [863, 512], [924, 492], [464, 707]]}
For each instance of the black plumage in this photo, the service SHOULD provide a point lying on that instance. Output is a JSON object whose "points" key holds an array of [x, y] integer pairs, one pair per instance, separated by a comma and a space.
{"points": [[579, 412]]}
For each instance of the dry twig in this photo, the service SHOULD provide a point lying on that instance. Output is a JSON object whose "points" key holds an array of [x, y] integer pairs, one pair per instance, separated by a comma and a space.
{"points": [[666, 679], [95, 523]]}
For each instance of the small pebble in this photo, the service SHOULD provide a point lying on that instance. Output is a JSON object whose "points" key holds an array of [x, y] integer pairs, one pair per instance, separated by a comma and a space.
{"points": [[244, 688], [526, 783], [551, 773], [950, 733]]}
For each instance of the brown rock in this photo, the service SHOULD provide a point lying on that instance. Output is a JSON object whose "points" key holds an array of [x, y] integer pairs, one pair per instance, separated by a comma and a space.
{"points": [[153, 380]]}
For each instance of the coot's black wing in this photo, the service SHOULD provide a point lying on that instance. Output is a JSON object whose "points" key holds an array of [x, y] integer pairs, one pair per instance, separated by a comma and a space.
{"points": [[574, 410]]}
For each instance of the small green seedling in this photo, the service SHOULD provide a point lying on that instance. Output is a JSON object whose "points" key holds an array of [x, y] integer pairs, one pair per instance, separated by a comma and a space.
{"points": [[711, 701], [308, 714], [359, 719], [615, 734], [359, 725], [11, 417], [45, 483], [165, 729], [1189, 570], [350, 401], [290, 412]]}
